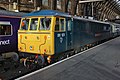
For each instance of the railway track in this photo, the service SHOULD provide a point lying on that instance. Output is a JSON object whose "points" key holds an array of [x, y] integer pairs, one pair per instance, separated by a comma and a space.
{"points": [[10, 70]]}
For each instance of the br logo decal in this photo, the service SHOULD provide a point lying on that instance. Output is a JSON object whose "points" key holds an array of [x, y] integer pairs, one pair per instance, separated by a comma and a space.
{"points": [[61, 36]]}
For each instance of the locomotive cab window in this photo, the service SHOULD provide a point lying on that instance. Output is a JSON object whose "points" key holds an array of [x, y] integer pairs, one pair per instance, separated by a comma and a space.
{"points": [[24, 24], [34, 24], [60, 24], [69, 25], [45, 23], [5, 29]]}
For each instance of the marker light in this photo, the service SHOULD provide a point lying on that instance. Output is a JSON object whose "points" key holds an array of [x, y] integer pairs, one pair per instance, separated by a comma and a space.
{"points": [[31, 48], [44, 50], [20, 36], [45, 37]]}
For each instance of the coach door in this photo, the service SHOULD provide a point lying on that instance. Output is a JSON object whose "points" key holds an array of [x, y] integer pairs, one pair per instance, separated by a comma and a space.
{"points": [[69, 33]]}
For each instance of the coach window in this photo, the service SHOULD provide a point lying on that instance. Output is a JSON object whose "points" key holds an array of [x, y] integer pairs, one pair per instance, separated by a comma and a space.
{"points": [[24, 24], [34, 24], [45, 23], [5, 30], [60, 24]]}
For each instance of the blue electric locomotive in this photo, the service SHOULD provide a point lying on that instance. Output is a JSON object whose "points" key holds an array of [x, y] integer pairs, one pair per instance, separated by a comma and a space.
{"points": [[46, 35], [9, 24]]}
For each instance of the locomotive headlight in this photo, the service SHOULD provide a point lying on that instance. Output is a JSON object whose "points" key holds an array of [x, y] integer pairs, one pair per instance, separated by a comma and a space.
{"points": [[31, 48]]}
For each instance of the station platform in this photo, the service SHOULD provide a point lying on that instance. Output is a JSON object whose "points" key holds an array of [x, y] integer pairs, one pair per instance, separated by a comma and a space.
{"points": [[101, 62]]}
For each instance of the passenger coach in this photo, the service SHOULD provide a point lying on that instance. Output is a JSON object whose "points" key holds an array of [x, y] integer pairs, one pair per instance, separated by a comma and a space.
{"points": [[9, 25], [46, 35]]}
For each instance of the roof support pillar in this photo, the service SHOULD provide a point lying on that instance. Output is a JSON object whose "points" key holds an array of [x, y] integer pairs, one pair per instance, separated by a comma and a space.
{"points": [[53, 4], [64, 5], [74, 4]]}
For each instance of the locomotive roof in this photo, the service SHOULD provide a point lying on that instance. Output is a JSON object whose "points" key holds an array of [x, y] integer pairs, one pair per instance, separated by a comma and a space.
{"points": [[46, 13], [11, 13], [90, 20], [57, 13]]}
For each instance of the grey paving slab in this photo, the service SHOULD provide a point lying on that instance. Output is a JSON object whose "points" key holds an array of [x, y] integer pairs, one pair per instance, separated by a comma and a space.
{"points": [[101, 63]]}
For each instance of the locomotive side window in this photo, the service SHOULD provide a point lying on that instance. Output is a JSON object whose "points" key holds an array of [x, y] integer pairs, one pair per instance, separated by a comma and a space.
{"points": [[60, 24], [45, 23], [57, 25], [69, 25], [5, 29], [106, 28], [24, 24], [34, 24]]}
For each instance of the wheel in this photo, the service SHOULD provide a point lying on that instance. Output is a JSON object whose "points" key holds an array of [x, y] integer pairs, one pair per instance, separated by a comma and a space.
{"points": [[75, 51], [27, 63], [40, 60], [15, 56]]}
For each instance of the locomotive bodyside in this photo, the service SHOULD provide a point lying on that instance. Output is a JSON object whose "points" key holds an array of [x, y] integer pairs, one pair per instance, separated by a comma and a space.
{"points": [[87, 32]]}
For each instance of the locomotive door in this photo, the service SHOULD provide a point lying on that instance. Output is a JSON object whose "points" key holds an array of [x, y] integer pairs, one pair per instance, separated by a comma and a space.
{"points": [[69, 33], [60, 35]]}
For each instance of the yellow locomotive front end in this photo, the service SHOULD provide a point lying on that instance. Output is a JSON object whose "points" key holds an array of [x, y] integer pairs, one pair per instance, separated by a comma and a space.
{"points": [[36, 37]]}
